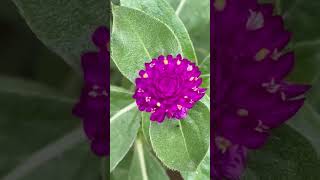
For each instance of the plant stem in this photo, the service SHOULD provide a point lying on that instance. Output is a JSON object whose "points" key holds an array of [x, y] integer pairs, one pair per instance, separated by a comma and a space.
{"points": [[45, 154], [278, 6], [103, 169], [180, 6], [139, 149]]}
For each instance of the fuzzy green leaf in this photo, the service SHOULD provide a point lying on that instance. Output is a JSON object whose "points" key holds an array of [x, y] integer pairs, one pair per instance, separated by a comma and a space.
{"points": [[195, 15], [137, 38], [162, 11], [65, 26], [202, 172], [287, 155], [37, 135], [124, 124], [181, 145], [205, 70], [137, 162]]}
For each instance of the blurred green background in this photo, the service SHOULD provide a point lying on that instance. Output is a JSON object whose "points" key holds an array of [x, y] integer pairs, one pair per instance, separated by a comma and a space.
{"points": [[30, 122], [24, 56]]}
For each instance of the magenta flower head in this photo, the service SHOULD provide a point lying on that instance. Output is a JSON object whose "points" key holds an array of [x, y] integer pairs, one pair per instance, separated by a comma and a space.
{"points": [[94, 103], [168, 87], [251, 95]]}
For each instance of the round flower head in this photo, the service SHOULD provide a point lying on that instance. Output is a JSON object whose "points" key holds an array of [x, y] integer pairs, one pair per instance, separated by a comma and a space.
{"points": [[93, 106], [251, 95], [168, 87]]}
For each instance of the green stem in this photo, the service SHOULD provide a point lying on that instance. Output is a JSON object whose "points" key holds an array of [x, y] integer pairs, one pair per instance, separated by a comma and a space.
{"points": [[278, 6], [139, 149], [180, 6], [45, 154], [103, 168]]}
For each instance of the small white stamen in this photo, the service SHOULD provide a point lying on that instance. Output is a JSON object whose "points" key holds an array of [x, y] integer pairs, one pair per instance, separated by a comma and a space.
{"points": [[199, 92], [145, 75], [261, 127], [242, 112], [189, 68], [276, 55], [271, 87], [148, 99], [104, 93], [222, 143], [93, 94], [255, 21], [195, 88], [262, 54], [95, 87], [283, 96]]}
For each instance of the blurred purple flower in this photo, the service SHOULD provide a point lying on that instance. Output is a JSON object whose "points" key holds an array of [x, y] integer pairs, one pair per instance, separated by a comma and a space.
{"points": [[168, 87], [230, 161], [94, 103], [251, 95]]}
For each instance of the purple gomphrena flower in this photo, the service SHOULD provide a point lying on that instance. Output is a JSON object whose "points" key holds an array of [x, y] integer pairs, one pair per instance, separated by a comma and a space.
{"points": [[93, 107], [251, 95], [168, 87]]}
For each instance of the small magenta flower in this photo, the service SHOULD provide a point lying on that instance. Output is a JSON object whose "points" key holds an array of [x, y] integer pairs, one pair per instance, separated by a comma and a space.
{"points": [[94, 103], [168, 87], [251, 95]]}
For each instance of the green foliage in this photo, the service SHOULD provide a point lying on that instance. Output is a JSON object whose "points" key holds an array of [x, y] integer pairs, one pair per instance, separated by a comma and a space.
{"points": [[139, 160], [78, 163], [36, 120], [288, 155], [307, 121], [181, 145], [163, 12], [302, 19], [202, 172], [124, 124], [205, 69], [65, 26], [196, 17], [137, 38]]}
